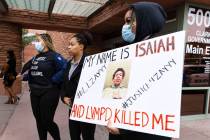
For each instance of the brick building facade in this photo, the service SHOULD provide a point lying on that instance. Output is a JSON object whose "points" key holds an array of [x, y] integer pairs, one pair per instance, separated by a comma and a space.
{"points": [[10, 38]]}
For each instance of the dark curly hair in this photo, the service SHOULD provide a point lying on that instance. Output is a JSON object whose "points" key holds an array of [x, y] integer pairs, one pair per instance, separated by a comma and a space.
{"points": [[11, 54], [119, 69], [84, 38]]}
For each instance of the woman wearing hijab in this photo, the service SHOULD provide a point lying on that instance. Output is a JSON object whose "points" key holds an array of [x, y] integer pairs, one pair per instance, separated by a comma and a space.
{"points": [[142, 21]]}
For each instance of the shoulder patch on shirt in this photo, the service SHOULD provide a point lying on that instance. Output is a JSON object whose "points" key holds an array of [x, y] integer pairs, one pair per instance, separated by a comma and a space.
{"points": [[59, 58]]}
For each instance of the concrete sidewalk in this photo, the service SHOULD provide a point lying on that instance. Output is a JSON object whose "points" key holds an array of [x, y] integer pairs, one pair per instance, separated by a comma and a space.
{"points": [[21, 124], [195, 130], [6, 111]]}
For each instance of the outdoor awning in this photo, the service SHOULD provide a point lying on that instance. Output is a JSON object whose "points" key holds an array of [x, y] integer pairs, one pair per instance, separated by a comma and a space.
{"points": [[77, 7], [82, 8], [36, 5]]}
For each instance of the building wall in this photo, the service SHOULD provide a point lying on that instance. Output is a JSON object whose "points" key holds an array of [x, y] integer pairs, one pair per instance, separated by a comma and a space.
{"points": [[61, 42], [28, 52], [10, 38]]}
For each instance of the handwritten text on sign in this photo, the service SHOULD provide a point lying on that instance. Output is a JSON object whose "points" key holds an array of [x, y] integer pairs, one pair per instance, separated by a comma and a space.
{"points": [[150, 87]]}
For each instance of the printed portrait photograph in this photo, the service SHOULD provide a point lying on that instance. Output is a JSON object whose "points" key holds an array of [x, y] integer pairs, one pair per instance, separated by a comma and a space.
{"points": [[117, 79]]}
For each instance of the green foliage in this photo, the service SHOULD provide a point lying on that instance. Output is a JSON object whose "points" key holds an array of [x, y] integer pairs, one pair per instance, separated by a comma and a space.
{"points": [[24, 31], [26, 40]]}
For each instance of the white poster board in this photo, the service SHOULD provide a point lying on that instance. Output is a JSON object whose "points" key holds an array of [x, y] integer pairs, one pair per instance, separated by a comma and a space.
{"points": [[149, 96]]}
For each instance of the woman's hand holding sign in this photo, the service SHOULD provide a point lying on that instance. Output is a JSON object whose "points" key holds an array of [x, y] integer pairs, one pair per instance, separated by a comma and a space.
{"points": [[111, 129], [67, 101]]}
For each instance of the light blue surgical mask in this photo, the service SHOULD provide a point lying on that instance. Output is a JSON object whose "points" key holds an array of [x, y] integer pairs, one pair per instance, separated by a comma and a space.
{"points": [[39, 47], [127, 34]]}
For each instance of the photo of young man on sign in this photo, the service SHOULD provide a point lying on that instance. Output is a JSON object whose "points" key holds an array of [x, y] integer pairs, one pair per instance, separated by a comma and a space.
{"points": [[116, 90], [116, 84]]}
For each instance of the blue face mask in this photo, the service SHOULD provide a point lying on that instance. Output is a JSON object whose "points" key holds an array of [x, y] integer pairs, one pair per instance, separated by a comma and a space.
{"points": [[127, 34], [38, 46]]}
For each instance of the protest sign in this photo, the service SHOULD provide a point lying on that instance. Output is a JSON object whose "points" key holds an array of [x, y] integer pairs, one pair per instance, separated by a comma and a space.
{"points": [[137, 87]]}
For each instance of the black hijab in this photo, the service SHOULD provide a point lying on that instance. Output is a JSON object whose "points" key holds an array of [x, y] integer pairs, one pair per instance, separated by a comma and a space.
{"points": [[150, 19]]}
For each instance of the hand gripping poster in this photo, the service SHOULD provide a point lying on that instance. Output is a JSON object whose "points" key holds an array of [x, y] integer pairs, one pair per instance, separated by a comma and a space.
{"points": [[136, 87]]}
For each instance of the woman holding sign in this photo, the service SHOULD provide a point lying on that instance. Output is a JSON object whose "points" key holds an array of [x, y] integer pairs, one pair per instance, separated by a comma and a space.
{"points": [[142, 21], [78, 44]]}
